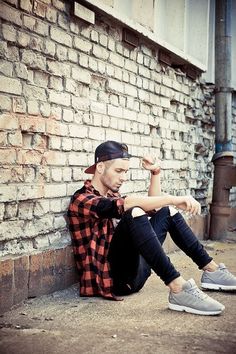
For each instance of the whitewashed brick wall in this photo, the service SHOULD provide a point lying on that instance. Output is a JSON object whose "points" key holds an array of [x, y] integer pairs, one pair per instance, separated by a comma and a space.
{"points": [[65, 87]]}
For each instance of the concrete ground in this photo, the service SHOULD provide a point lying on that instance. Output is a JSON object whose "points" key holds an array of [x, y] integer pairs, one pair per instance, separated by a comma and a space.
{"points": [[65, 323]]}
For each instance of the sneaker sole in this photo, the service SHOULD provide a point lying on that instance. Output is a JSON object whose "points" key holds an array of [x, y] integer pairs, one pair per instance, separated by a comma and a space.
{"points": [[217, 286], [194, 311]]}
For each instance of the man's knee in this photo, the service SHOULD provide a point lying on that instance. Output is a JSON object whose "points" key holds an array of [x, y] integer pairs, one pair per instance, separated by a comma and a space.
{"points": [[136, 211], [172, 210]]}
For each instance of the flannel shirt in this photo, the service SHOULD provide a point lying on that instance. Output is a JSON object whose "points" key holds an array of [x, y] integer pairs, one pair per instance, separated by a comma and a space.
{"points": [[90, 223]]}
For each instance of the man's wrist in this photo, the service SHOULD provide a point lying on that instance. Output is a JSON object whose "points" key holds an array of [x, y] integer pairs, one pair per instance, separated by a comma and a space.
{"points": [[155, 172]]}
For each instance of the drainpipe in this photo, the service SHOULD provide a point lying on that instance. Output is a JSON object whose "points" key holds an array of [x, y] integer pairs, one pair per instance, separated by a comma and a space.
{"points": [[224, 170]]}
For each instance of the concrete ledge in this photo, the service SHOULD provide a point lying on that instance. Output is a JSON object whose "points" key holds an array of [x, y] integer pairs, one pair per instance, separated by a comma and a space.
{"points": [[34, 275]]}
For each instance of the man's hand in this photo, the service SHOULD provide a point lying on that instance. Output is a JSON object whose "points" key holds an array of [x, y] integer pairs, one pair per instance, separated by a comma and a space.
{"points": [[188, 204], [151, 164]]}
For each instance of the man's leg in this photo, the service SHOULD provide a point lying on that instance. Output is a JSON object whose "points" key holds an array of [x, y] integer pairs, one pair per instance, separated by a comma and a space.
{"points": [[181, 234], [184, 296], [134, 236], [214, 276]]}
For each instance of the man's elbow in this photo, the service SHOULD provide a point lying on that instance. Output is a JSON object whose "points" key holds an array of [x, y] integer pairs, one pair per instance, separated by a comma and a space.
{"points": [[127, 204], [131, 202]]}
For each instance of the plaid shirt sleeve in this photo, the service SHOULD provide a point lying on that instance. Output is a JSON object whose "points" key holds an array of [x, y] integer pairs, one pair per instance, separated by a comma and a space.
{"points": [[89, 205]]}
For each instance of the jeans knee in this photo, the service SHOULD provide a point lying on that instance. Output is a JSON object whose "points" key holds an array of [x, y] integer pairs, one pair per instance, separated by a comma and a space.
{"points": [[137, 211], [172, 210]]}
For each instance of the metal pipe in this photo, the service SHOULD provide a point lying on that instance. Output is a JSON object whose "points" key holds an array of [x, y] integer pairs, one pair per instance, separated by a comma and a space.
{"points": [[223, 158], [223, 90]]}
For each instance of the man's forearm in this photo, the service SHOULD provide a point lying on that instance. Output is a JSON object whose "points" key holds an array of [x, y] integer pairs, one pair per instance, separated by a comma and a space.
{"points": [[148, 203], [155, 186], [186, 203]]}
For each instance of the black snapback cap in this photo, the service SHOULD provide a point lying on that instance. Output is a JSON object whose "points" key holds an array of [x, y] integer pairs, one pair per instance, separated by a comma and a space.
{"points": [[109, 150]]}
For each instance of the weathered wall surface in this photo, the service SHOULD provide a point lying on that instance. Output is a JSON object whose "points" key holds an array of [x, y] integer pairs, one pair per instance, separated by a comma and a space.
{"points": [[66, 86]]}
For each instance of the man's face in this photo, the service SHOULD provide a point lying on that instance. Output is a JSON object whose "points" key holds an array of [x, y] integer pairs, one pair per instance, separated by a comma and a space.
{"points": [[114, 174]]}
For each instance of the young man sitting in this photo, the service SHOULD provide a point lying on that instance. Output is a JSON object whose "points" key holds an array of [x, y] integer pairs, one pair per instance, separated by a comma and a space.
{"points": [[118, 240]]}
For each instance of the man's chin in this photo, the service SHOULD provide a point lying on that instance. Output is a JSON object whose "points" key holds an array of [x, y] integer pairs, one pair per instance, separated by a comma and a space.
{"points": [[115, 189]]}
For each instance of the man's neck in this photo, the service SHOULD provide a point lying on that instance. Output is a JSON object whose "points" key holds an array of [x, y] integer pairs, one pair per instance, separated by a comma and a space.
{"points": [[99, 186]]}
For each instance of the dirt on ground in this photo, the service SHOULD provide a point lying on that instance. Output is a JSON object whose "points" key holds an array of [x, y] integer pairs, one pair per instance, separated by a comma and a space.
{"points": [[63, 322]]}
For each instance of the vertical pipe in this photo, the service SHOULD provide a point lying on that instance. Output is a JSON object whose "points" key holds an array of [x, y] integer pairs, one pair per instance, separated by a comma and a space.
{"points": [[223, 94], [223, 158]]}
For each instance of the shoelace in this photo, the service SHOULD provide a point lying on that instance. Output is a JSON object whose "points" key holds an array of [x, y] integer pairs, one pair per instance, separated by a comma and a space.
{"points": [[195, 291], [226, 271]]}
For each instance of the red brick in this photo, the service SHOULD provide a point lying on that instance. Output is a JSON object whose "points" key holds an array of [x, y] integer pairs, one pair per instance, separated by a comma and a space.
{"points": [[70, 261], [71, 272], [59, 271], [48, 269], [6, 284], [71, 277], [21, 278], [35, 275]]}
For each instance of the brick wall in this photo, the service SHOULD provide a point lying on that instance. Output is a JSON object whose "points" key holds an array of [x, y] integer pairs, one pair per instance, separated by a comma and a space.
{"points": [[65, 87]]}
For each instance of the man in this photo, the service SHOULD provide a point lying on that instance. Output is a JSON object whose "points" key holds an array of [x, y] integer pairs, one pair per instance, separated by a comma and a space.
{"points": [[117, 240]]}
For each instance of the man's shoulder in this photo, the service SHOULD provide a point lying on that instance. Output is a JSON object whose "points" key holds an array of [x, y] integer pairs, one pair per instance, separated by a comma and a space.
{"points": [[84, 193], [81, 194], [80, 191]]}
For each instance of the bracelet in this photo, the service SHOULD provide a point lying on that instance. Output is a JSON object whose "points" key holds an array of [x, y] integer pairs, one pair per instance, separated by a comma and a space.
{"points": [[155, 173]]}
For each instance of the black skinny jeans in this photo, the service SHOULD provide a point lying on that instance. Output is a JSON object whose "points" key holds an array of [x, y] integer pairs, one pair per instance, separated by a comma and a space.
{"points": [[136, 248]]}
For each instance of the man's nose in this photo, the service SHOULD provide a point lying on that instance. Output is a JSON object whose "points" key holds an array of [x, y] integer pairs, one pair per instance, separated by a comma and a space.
{"points": [[123, 177]]}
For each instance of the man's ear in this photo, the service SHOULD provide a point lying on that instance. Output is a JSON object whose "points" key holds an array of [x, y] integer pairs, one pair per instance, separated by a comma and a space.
{"points": [[100, 167]]}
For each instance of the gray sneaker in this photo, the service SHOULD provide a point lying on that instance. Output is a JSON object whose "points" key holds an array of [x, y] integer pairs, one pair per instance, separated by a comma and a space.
{"points": [[191, 299], [220, 279]]}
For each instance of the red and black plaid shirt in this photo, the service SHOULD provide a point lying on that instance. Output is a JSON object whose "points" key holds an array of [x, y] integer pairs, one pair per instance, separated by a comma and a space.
{"points": [[90, 223]]}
